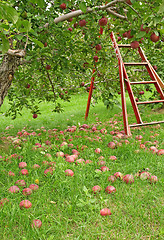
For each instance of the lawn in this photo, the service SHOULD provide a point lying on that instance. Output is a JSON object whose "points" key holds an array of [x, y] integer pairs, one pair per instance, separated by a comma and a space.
{"points": [[67, 205]]}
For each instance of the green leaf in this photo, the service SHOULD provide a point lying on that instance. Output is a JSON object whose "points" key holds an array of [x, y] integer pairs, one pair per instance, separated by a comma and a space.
{"points": [[85, 189], [141, 34], [161, 8], [5, 44], [83, 7], [40, 3], [8, 13], [27, 25], [40, 44]]}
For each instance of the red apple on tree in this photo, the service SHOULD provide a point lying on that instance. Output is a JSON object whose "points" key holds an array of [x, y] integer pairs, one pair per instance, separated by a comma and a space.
{"points": [[155, 67], [95, 58], [141, 92], [134, 44], [48, 67], [82, 23], [98, 47], [154, 37], [35, 115], [103, 21], [63, 6], [129, 34]]}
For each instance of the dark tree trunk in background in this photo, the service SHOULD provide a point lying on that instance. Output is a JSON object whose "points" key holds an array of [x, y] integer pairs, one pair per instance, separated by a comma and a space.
{"points": [[7, 69]]}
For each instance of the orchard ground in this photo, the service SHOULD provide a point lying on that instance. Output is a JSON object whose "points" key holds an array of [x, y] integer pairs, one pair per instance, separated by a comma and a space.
{"points": [[66, 205]]}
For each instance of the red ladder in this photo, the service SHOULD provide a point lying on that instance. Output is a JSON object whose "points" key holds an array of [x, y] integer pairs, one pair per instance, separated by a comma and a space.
{"points": [[124, 80]]}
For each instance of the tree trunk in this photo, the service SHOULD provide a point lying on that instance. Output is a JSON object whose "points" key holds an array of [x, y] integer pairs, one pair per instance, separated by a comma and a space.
{"points": [[7, 69]]}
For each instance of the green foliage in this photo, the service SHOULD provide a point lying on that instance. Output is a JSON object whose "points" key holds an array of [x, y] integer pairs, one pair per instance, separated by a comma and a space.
{"points": [[66, 47]]}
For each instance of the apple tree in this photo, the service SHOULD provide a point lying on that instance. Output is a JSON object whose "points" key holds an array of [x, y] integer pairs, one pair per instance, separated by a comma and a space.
{"points": [[49, 48]]}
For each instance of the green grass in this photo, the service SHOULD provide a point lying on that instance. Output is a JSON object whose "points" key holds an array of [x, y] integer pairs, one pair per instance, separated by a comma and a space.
{"points": [[66, 205]]}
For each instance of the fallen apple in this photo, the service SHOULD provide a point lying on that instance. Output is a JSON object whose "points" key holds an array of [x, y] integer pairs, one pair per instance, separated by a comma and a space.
{"points": [[110, 189], [25, 204], [105, 212]]}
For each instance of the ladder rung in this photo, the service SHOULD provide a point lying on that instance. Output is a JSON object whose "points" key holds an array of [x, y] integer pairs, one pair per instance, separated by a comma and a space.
{"points": [[143, 82], [124, 45], [144, 124], [155, 101], [135, 63]]}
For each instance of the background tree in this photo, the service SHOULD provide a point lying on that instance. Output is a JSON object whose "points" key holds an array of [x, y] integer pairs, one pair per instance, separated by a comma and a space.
{"points": [[49, 47]]}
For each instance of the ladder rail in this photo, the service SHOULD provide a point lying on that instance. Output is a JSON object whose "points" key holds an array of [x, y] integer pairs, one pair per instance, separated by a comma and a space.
{"points": [[124, 80]]}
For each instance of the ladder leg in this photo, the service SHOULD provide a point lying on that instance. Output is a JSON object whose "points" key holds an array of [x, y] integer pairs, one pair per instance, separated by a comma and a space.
{"points": [[132, 99], [123, 100], [89, 96]]}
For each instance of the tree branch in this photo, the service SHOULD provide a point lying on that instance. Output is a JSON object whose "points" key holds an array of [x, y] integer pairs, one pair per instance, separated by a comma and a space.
{"points": [[115, 14], [133, 9], [79, 12], [18, 53]]}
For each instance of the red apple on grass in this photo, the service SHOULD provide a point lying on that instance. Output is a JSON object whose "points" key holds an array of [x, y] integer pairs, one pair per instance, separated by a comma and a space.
{"points": [[22, 164], [160, 152], [98, 150], [128, 178], [96, 189], [33, 187], [118, 175], [35, 166], [25, 204], [112, 145], [36, 223], [69, 172], [110, 189], [80, 161], [105, 212], [111, 178], [14, 189], [104, 169], [70, 159], [153, 179], [24, 172], [60, 154], [144, 175], [113, 158], [10, 173], [21, 183], [27, 191]]}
